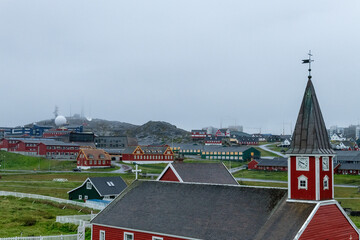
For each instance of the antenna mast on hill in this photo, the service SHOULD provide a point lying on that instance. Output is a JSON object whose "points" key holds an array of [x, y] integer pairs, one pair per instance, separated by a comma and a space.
{"points": [[309, 62]]}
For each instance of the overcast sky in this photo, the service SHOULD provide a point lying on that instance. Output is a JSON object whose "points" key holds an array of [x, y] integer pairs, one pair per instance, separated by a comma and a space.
{"points": [[193, 63]]}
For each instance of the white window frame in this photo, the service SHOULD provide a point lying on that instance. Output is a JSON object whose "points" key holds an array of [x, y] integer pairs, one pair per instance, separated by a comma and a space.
{"points": [[157, 238], [300, 179], [126, 234], [328, 163], [88, 185], [80, 197], [86, 197], [326, 179], [102, 235]]}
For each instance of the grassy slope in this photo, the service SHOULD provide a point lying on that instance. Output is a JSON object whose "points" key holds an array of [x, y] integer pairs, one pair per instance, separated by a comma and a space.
{"points": [[34, 218], [13, 161], [43, 184]]}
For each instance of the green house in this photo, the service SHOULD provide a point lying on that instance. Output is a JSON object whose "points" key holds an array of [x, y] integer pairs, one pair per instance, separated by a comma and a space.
{"points": [[230, 153], [102, 188]]}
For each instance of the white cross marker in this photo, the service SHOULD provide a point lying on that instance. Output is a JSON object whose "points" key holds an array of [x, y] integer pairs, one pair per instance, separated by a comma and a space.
{"points": [[136, 171]]}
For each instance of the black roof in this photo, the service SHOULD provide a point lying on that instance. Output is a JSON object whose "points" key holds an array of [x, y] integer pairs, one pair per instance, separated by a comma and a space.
{"points": [[102, 186], [204, 173], [348, 156], [349, 166], [276, 162], [310, 135], [205, 211]]}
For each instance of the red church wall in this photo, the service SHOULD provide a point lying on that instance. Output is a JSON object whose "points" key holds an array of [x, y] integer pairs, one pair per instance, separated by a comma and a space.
{"points": [[252, 164], [329, 223], [118, 234], [304, 194], [326, 194], [169, 175]]}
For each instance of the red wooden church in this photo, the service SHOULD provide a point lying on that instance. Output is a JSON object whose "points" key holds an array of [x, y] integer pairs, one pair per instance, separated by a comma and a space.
{"points": [[164, 210]]}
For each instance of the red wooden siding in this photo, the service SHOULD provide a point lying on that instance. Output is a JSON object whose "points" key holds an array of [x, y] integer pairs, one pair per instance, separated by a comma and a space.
{"points": [[169, 175], [118, 234], [310, 193], [329, 223], [253, 164]]}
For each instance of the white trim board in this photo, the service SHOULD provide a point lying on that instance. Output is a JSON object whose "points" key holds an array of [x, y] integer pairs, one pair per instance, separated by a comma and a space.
{"points": [[174, 171]]}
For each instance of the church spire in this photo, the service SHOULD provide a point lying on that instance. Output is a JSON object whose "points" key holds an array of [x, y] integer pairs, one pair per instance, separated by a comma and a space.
{"points": [[310, 135], [309, 60]]}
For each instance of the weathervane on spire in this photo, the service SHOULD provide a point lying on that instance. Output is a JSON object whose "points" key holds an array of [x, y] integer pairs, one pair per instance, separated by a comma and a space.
{"points": [[309, 62]]}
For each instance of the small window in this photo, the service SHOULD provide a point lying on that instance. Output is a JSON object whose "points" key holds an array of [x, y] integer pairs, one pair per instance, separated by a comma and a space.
{"points": [[128, 236], [302, 182], [88, 185], [102, 235], [157, 238], [80, 197], [110, 184], [86, 197], [326, 182]]}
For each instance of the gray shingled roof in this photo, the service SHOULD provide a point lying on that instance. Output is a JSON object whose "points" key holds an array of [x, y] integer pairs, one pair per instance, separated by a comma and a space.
{"points": [[276, 162], [348, 156], [104, 189], [204, 173], [349, 166], [204, 211], [310, 135]]}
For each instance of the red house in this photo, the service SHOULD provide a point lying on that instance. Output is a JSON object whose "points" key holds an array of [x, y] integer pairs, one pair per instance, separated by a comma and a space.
{"points": [[93, 158], [148, 154], [168, 210], [48, 148], [197, 173], [198, 134], [276, 164]]}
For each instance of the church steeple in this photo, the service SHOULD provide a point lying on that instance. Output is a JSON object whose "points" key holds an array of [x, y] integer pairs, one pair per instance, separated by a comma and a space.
{"points": [[310, 168], [310, 134]]}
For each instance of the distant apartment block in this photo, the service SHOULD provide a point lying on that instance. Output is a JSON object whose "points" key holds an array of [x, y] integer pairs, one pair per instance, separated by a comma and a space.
{"points": [[110, 142]]}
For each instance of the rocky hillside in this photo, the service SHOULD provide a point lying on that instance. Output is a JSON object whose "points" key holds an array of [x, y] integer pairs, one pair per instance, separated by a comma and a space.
{"points": [[156, 132], [152, 132]]}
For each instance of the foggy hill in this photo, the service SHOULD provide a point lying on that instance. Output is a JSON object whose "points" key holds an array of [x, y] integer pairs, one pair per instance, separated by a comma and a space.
{"points": [[152, 132], [156, 132]]}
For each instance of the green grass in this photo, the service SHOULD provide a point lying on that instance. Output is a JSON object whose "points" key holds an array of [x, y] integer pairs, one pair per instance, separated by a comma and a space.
{"points": [[28, 217], [14, 161], [266, 153], [257, 174], [274, 147], [43, 184]]}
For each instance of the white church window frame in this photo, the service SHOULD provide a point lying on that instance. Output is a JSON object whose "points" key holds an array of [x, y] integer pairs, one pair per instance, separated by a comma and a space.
{"points": [[157, 238], [326, 183], [302, 182], [102, 235], [128, 236]]}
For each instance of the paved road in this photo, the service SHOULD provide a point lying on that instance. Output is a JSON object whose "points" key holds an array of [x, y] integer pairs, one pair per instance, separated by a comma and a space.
{"points": [[233, 170], [264, 147], [123, 168]]}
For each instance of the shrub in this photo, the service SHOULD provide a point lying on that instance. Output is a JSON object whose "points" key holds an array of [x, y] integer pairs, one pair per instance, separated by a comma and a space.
{"points": [[28, 221]]}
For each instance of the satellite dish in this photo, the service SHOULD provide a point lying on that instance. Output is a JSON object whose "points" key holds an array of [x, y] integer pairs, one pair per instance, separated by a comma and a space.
{"points": [[60, 121]]}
